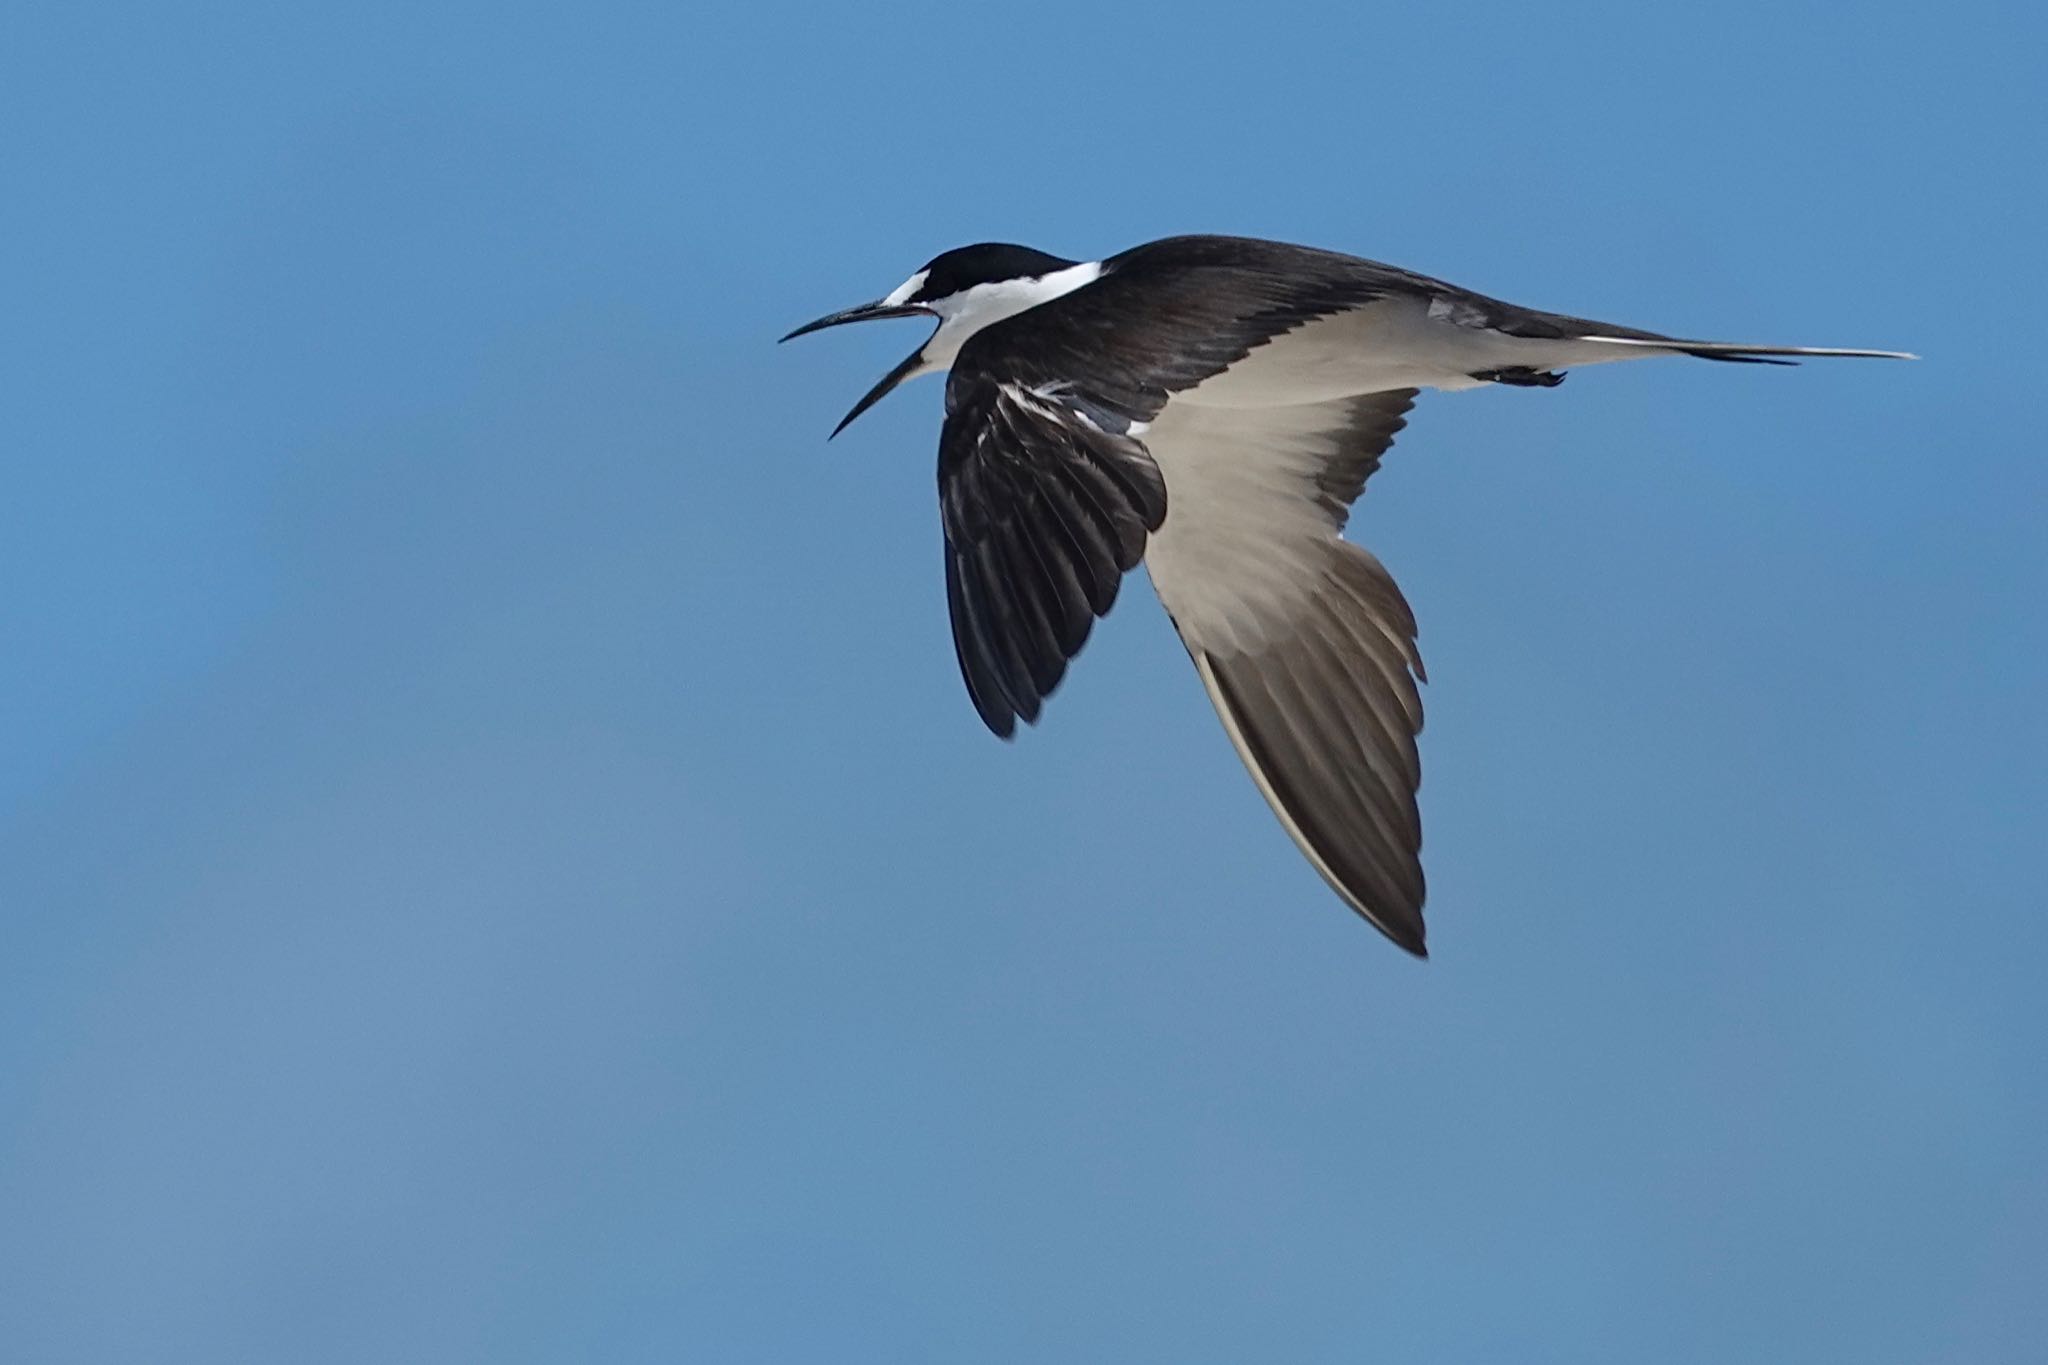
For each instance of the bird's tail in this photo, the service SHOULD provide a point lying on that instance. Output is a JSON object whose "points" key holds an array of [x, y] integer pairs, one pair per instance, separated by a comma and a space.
{"points": [[1737, 352]]}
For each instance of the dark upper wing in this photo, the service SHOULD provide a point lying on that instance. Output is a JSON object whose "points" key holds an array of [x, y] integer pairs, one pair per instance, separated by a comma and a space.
{"points": [[1165, 316], [1259, 283], [1045, 506]]}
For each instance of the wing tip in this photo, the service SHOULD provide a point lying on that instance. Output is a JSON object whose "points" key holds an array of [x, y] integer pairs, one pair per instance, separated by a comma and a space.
{"points": [[1391, 907], [1409, 937], [1401, 923], [1402, 926]]}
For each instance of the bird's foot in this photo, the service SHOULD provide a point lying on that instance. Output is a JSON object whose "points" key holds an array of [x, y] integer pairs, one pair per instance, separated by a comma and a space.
{"points": [[1521, 376]]}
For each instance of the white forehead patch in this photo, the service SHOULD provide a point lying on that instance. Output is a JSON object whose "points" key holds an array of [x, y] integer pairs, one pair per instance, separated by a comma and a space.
{"points": [[902, 292]]}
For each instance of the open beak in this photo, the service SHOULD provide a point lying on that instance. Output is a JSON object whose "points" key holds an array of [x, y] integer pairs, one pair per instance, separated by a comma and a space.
{"points": [[881, 390], [864, 313], [867, 312]]}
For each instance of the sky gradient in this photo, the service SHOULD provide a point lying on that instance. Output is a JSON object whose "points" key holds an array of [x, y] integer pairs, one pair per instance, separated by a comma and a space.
{"points": [[497, 864]]}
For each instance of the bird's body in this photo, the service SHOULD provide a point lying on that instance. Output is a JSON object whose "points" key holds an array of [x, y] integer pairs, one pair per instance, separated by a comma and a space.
{"points": [[1213, 406]]}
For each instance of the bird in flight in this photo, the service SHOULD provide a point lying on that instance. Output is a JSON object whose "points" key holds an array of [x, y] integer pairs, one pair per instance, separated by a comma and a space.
{"points": [[1213, 406]]}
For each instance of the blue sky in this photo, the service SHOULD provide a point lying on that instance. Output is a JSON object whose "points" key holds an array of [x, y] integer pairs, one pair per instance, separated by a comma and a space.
{"points": [[496, 863]]}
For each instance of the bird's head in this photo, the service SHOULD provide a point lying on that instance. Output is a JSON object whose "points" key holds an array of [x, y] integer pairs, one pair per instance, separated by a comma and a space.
{"points": [[966, 289]]}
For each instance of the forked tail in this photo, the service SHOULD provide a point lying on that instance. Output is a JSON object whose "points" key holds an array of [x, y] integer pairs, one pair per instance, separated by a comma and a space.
{"points": [[1747, 355]]}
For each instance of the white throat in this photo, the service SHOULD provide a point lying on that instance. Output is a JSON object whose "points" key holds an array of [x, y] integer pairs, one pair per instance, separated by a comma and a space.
{"points": [[967, 312]]}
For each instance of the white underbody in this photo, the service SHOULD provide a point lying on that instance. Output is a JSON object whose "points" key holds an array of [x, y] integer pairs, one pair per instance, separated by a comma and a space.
{"points": [[1396, 343], [1245, 538]]}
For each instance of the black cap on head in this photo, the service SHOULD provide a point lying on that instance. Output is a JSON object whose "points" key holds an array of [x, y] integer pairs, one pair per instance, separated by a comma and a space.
{"points": [[983, 263]]}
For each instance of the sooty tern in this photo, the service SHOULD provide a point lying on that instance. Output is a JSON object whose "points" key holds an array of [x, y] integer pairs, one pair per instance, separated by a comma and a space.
{"points": [[1213, 406]]}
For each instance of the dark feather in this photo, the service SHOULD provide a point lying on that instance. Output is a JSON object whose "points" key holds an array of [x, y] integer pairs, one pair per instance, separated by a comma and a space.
{"points": [[1043, 510], [1326, 720]]}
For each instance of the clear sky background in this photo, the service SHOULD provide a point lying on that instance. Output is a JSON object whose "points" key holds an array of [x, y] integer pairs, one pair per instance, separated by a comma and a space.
{"points": [[496, 863]]}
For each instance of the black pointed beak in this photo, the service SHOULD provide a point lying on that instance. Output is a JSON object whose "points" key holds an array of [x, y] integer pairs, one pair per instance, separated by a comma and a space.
{"points": [[866, 312]]}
